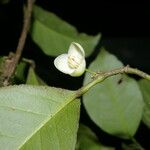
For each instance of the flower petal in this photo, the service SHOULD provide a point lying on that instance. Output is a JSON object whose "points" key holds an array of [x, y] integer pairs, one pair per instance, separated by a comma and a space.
{"points": [[76, 50], [80, 70], [61, 63]]}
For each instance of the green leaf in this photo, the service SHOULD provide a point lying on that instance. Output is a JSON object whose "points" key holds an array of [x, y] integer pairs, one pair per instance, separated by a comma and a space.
{"points": [[54, 35], [116, 104], [87, 140], [1, 59], [1, 64], [20, 74], [33, 79], [38, 117], [145, 88]]}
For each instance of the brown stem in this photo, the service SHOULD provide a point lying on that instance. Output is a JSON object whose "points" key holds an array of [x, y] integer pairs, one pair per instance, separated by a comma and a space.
{"points": [[22, 39], [12, 60]]}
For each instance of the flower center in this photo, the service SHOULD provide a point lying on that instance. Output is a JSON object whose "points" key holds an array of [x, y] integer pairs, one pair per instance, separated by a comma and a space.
{"points": [[73, 62]]}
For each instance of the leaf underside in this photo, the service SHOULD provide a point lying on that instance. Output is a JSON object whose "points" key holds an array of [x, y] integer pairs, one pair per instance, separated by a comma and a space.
{"points": [[38, 117]]}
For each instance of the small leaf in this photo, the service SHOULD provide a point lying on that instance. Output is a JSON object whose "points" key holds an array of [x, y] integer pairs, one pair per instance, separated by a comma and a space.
{"points": [[33, 79], [116, 104], [54, 35], [38, 117], [145, 88], [1, 59], [1, 64], [20, 74], [1, 70], [87, 140]]}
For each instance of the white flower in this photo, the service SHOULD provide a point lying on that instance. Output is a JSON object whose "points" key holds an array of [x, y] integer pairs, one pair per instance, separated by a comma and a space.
{"points": [[72, 63]]}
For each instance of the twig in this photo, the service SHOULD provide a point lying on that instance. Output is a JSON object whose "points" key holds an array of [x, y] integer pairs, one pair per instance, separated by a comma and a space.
{"points": [[99, 77], [12, 60], [27, 18]]}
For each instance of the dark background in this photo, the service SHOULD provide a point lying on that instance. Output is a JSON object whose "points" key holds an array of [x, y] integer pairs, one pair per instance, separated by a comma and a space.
{"points": [[124, 26], [125, 32]]}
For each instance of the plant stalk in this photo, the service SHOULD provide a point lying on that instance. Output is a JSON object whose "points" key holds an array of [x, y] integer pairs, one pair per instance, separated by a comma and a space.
{"points": [[100, 77], [11, 62]]}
